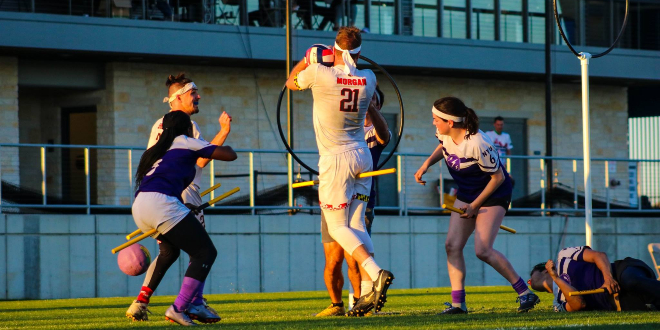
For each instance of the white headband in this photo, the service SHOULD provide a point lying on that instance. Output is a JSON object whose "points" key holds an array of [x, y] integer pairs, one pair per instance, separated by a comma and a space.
{"points": [[349, 64], [183, 90], [446, 116]]}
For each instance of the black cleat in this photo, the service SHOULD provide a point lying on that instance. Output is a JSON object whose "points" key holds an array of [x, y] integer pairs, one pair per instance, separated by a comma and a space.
{"points": [[527, 302], [453, 310], [363, 305], [381, 284]]}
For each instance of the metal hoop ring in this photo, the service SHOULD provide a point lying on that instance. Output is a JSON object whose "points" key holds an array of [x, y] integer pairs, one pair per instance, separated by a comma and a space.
{"points": [[401, 112], [561, 31]]}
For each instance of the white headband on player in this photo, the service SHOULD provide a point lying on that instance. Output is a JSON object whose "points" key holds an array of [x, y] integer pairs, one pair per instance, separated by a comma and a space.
{"points": [[189, 86], [349, 64], [446, 116]]}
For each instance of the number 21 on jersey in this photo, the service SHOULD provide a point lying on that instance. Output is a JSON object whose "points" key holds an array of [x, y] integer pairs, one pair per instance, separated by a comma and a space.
{"points": [[350, 101]]}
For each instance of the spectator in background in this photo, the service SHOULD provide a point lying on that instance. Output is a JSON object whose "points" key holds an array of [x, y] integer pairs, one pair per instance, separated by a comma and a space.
{"points": [[501, 140]]}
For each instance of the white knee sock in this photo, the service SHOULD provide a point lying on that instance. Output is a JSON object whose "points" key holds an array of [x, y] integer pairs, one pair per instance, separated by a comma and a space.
{"points": [[371, 267], [339, 230], [356, 223], [366, 287]]}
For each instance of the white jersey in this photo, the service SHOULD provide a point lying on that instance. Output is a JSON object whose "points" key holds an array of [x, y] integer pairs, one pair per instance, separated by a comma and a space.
{"points": [[157, 130], [501, 142], [340, 106]]}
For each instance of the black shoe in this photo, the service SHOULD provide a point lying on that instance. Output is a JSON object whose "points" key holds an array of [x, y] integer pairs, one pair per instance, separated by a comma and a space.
{"points": [[453, 310], [381, 284], [527, 302], [363, 305]]}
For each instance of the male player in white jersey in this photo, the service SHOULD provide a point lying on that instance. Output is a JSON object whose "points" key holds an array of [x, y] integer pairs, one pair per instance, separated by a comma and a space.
{"points": [[183, 96], [342, 94], [501, 140], [377, 136]]}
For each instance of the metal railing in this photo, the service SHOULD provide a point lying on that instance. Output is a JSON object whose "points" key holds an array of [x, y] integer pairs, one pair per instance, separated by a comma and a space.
{"points": [[379, 16], [411, 196]]}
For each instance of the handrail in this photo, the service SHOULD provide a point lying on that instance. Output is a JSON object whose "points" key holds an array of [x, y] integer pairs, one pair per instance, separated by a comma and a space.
{"points": [[404, 184], [310, 152]]}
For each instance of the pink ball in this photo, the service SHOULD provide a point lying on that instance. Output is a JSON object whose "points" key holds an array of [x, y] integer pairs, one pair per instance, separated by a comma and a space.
{"points": [[134, 260], [319, 53]]}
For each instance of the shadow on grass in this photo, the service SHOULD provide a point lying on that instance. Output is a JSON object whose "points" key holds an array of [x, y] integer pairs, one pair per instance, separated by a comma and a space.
{"points": [[513, 321]]}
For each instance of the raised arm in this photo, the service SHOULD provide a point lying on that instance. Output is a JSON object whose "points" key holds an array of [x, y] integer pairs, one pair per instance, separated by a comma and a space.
{"points": [[290, 83], [380, 125], [573, 303], [435, 157], [603, 264], [220, 138]]}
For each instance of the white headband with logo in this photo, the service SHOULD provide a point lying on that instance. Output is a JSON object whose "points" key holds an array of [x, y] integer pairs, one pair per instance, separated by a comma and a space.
{"points": [[183, 90], [446, 116], [349, 64]]}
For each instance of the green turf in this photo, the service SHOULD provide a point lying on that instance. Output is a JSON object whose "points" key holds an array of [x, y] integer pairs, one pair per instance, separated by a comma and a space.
{"points": [[490, 307]]}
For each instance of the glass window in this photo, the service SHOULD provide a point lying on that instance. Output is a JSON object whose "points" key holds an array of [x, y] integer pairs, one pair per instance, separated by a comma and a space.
{"points": [[537, 21], [483, 20], [426, 18], [382, 16], [453, 19], [511, 28]]}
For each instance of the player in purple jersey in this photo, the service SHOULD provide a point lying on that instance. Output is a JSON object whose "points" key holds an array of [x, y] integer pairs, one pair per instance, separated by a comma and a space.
{"points": [[581, 268], [484, 192], [183, 95], [165, 170], [377, 136]]}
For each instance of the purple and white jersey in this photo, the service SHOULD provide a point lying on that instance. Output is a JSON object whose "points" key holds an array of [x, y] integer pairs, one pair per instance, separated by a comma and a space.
{"points": [[171, 174], [581, 275], [471, 164]]}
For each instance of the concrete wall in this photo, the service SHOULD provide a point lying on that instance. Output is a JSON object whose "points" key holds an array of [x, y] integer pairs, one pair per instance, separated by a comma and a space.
{"points": [[68, 256]]}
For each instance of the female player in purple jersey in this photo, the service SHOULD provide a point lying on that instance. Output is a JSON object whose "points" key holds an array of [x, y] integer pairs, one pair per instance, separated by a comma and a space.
{"points": [[484, 192], [165, 170]]}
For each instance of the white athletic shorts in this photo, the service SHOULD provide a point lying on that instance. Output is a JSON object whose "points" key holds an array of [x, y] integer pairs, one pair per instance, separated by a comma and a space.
{"points": [[152, 210], [338, 182], [191, 195]]}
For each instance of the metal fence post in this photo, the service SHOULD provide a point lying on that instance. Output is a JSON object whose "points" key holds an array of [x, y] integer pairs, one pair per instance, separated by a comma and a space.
{"points": [[43, 175], [87, 189], [251, 159], [542, 188], [130, 175], [575, 190], [399, 183], [212, 179], [607, 187]]}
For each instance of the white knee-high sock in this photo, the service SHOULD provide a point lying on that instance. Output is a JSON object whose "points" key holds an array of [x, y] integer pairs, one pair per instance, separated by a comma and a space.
{"points": [[366, 287], [371, 267]]}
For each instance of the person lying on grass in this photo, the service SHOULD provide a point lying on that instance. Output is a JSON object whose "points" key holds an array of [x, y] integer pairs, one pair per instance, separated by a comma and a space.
{"points": [[581, 268]]}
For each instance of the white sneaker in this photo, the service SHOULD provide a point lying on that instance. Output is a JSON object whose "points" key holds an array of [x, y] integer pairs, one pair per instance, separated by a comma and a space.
{"points": [[138, 311], [178, 317]]}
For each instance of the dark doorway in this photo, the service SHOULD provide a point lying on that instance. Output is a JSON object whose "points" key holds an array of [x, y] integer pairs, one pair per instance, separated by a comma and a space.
{"points": [[517, 129], [78, 127]]}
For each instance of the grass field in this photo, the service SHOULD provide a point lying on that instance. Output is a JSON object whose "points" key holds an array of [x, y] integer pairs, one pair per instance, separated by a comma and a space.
{"points": [[490, 307]]}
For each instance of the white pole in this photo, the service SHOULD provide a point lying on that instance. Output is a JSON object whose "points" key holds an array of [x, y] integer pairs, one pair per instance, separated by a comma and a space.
{"points": [[586, 143]]}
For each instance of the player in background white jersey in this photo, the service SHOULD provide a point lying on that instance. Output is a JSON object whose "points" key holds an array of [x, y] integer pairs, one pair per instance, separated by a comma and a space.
{"points": [[342, 94], [165, 170], [501, 140], [182, 96], [484, 192]]}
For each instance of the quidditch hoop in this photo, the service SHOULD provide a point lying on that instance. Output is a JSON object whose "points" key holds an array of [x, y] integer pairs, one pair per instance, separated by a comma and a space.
{"points": [[401, 113]]}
